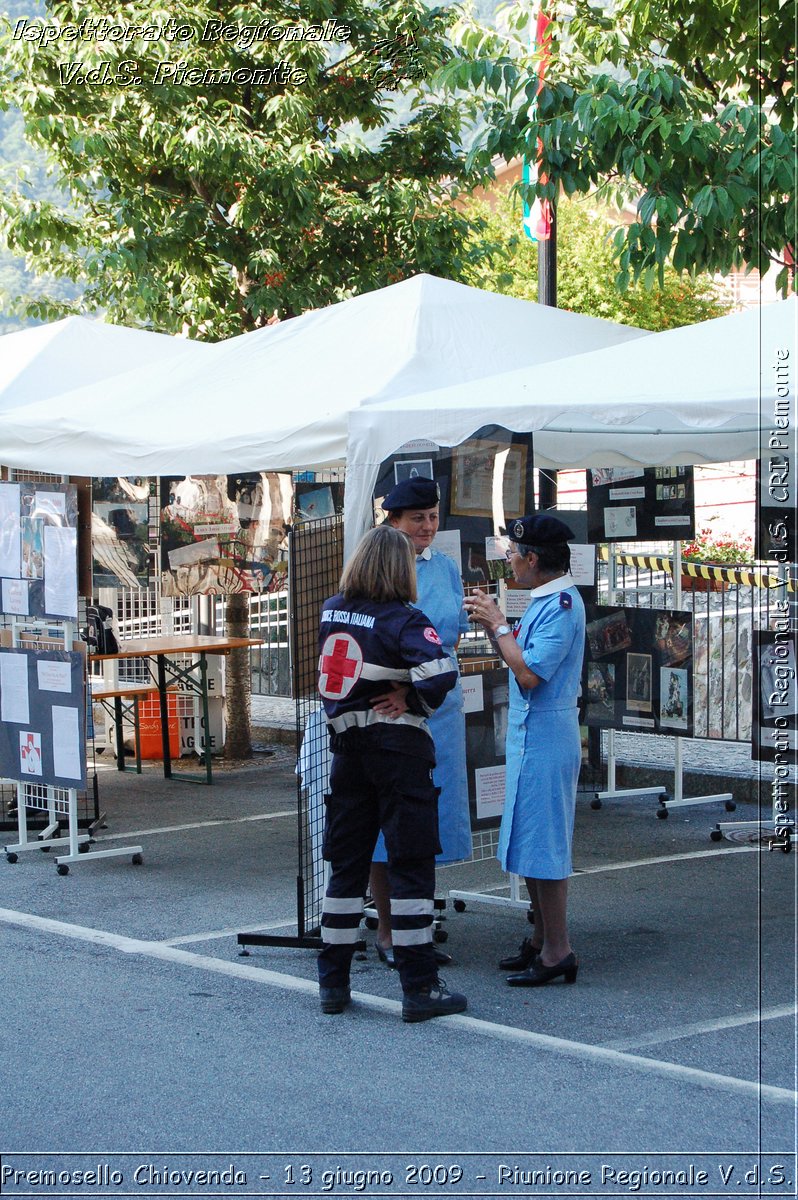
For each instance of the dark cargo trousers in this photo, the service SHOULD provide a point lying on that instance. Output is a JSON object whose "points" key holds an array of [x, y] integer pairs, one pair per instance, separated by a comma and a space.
{"points": [[371, 790]]}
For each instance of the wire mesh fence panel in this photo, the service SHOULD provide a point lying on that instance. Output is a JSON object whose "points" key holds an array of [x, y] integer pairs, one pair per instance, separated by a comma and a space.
{"points": [[315, 563]]}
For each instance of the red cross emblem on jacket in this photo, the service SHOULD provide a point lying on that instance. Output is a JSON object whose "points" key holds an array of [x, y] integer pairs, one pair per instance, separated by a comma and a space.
{"points": [[340, 665]]}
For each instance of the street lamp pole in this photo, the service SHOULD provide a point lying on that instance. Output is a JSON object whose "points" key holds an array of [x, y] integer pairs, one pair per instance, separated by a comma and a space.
{"points": [[547, 294]]}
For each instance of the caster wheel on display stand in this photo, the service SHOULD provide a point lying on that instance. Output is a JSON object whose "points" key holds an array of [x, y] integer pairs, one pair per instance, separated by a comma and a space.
{"points": [[595, 802], [11, 857], [730, 806], [62, 869], [662, 814], [440, 935], [459, 905], [715, 834], [137, 860]]}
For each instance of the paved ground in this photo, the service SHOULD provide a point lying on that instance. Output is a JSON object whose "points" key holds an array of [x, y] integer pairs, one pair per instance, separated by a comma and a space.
{"points": [[132, 1026]]}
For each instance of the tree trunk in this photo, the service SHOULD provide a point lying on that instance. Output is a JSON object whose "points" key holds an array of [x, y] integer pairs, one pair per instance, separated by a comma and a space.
{"points": [[238, 742]]}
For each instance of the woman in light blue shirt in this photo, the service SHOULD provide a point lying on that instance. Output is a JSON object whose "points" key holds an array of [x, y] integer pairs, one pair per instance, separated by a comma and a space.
{"points": [[544, 750]]}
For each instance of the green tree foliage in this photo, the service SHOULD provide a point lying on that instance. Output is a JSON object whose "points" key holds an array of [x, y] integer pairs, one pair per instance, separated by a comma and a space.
{"points": [[687, 104], [585, 269], [221, 171]]}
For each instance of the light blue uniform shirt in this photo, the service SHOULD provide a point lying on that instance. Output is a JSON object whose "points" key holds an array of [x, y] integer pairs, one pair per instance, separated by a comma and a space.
{"points": [[544, 749]]}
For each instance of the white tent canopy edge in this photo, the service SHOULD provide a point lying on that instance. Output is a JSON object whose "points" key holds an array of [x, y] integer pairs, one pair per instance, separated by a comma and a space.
{"points": [[278, 398], [697, 394]]}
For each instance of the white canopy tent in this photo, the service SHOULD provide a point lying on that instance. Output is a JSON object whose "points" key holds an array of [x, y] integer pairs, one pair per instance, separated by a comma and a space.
{"points": [[690, 395], [278, 398], [38, 363]]}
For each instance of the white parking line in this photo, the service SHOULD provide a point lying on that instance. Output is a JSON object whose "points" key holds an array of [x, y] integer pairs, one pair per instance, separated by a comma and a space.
{"points": [[699, 1027], [137, 833], [624, 866], [666, 858], [541, 1041]]}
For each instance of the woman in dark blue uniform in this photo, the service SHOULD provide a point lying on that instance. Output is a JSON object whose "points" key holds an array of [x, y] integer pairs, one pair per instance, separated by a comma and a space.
{"points": [[372, 637], [413, 507]]}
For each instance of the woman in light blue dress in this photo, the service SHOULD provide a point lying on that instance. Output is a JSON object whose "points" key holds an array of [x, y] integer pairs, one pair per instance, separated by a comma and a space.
{"points": [[412, 506], [544, 751]]}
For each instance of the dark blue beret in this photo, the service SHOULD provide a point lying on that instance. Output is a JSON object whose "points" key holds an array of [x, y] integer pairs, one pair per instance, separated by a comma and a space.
{"points": [[412, 493], [539, 529]]}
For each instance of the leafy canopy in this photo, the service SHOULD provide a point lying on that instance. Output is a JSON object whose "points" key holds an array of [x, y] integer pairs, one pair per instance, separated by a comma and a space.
{"points": [[217, 180], [687, 105]]}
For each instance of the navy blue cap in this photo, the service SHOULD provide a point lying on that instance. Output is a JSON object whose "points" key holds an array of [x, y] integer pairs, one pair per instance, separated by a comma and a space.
{"points": [[412, 493], [539, 529]]}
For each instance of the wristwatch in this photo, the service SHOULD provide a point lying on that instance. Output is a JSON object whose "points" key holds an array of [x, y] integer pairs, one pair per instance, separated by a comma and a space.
{"points": [[502, 631]]}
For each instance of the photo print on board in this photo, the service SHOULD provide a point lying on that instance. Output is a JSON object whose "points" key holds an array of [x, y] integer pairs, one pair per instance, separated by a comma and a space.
{"points": [[600, 691], [673, 698], [638, 682]]}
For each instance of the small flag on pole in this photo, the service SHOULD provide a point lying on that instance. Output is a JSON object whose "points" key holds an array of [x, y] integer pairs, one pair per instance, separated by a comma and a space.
{"points": [[537, 216]]}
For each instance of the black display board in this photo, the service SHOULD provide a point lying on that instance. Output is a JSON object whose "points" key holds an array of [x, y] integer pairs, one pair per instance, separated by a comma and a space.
{"points": [[39, 550], [640, 504], [638, 671], [486, 735], [43, 717], [775, 698], [470, 502]]}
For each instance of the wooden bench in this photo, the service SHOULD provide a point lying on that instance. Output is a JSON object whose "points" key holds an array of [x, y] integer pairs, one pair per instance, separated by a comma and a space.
{"points": [[105, 692]]}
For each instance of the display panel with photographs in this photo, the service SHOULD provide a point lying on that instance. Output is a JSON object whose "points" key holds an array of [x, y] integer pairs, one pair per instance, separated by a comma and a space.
{"points": [[39, 550], [222, 534], [638, 670], [775, 696], [632, 504], [485, 482], [120, 533]]}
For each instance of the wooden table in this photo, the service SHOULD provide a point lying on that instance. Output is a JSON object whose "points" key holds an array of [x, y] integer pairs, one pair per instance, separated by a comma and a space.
{"points": [[168, 674]]}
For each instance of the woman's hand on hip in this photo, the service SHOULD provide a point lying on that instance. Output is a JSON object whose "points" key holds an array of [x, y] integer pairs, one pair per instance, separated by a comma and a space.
{"points": [[393, 703]]}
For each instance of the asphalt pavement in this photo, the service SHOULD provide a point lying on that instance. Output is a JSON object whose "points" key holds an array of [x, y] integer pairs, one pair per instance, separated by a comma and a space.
{"points": [[137, 1040]]}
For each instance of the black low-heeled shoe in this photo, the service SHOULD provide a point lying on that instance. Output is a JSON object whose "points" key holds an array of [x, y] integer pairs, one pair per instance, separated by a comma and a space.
{"points": [[526, 955], [538, 973], [386, 955]]}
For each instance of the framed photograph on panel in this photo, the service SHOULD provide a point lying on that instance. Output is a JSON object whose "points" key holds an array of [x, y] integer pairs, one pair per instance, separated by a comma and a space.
{"points": [[474, 465]]}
